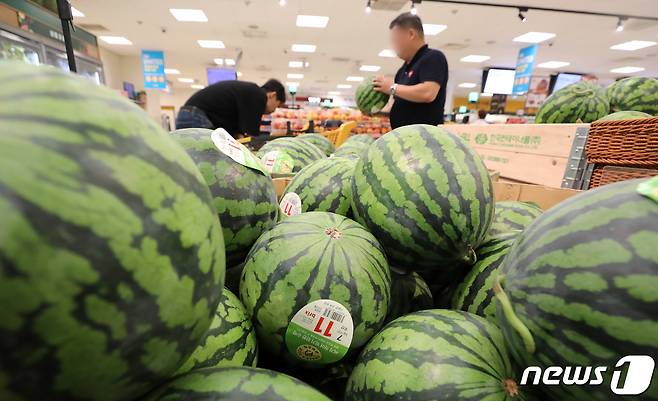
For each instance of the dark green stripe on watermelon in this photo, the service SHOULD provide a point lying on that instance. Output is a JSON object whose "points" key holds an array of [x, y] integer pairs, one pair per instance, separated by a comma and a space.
{"points": [[625, 115], [634, 94], [302, 153], [354, 148], [361, 138], [320, 141], [111, 255], [582, 101], [582, 278], [409, 293], [512, 217]]}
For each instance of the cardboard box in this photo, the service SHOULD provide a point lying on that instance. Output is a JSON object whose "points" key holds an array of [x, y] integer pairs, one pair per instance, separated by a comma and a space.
{"points": [[545, 197], [280, 185]]}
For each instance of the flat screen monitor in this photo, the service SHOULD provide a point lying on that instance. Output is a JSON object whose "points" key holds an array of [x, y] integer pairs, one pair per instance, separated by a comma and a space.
{"points": [[221, 74], [498, 81], [564, 79], [463, 109]]}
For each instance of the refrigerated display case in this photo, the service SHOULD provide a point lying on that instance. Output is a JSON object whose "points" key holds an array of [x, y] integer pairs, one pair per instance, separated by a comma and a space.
{"points": [[14, 47], [85, 68]]}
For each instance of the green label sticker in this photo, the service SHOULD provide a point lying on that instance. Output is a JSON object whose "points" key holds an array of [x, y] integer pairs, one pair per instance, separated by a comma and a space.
{"points": [[278, 162], [320, 332], [226, 144], [649, 189], [291, 204]]}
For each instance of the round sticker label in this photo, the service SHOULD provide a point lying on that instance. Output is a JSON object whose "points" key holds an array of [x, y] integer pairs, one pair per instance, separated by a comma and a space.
{"points": [[278, 162], [320, 332], [291, 204], [226, 144]]}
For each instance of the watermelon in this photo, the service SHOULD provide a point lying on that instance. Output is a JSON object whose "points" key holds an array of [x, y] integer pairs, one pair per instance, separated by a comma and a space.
{"points": [[245, 199], [512, 217], [361, 138], [409, 293], [475, 293], [435, 355], [368, 100], [579, 102], [354, 148], [236, 384], [230, 341], [111, 253], [233, 274], [580, 285], [312, 256], [320, 141], [625, 115], [635, 93], [425, 195], [325, 186], [302, 153]]}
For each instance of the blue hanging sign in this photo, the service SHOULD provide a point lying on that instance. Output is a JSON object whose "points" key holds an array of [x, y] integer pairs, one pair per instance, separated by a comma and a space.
{"points": [[154, 69], [525, 64]]}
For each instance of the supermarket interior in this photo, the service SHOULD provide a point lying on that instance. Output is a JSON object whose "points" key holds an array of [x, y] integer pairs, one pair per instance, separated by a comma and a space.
{"points": [[328, 200]]}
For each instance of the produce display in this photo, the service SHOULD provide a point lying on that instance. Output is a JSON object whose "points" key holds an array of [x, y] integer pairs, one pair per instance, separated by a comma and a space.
{"points": [[355, 148], [244, 198], [409, 293], [302, 153], [580, 102], [512, 217], [360, 138], [634, 94], [320, 141], [368, 100]]}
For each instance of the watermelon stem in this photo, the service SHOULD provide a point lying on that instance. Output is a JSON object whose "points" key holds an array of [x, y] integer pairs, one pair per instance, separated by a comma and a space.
{"points": [[510, 315], [471, 257], [511, 387]]}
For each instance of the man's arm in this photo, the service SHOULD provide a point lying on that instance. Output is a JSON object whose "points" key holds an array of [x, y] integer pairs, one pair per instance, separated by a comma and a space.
{"points": [[424, 92], [251, 106]]}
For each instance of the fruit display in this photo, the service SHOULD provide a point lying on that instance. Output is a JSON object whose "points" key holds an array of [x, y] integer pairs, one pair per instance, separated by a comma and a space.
{"points": [[580, 102], [409, 293], [624, 115], [354, 148], [320, 141], [302, 153], [634, 94], [360, 138], [368, 100], [111, 253], [325, 186], [512, 217], [244, 198]]}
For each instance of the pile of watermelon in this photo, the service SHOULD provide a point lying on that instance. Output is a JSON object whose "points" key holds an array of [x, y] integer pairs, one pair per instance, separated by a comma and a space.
{"points": [[146, 266]]}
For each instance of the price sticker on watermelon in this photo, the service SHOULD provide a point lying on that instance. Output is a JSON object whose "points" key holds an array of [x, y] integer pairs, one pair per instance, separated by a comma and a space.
{"points": [[291, 204], [226, 144], [320, 332], [278, 162]]}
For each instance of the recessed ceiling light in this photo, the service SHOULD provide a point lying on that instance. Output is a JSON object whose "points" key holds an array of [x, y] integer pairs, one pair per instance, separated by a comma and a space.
{"points": [[553, 64], [77, 13], [211, 44], [354, 79], [171, 71], [333, 93], [433, 29], [188, 15], [626, 70], [115, 40], [219, 61], [312, 21], [467, 85], [295, 76], [239, 74], [298, 48], [370, 68], [387, 53], [229, 61], [296, 64], [344, 86], [197, 86], [485, 94], [534, 37], [292, 83], [474, 58], [633, 45], [186, 80]]}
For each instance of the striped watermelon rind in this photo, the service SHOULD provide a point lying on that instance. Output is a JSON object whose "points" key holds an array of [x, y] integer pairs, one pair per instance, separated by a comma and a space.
{"points": [[581, 284], [368, 100], [111, 255], [312, 256], [512, 217], [302, 153], [325, 186], [435, 355], [425, 195], [583, 101], [361, 138], [409, 293], [245, 199], [230, 340], [320, 141], [625, 115], [354, 148], [636, 94]]}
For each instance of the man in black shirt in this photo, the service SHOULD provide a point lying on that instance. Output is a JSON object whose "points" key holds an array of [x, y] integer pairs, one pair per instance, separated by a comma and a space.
{"points": [[236, 106], [419, 88]]}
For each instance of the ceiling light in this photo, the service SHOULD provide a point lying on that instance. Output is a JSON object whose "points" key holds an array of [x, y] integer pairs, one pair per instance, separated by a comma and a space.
{"points": [[115, 40], [633, 45], [211, 44], [303, 48], [77, 13], [229, 61], [333, 93], [370, 68], [239, 74], [344, 86], [486, 94], [467, 85], [171, 71], [534, 37], [296, 64], [354, 79], [474, 58], [413, 11], [626, 70], [219, 61], [433, 29], [197, 86], [295, 84], [312, 21], [368, 7], [186, 80], [295, 76], [620, 24], [282, 3], [522, 14], [553, 64], [188, 15], [387, 53]]}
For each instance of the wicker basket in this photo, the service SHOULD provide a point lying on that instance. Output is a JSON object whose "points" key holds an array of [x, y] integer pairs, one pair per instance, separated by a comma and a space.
{"points": [[603, 175], [624, 143]]}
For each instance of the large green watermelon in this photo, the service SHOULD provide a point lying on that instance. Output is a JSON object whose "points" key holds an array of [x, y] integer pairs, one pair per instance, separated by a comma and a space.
{"points": [[302, 153], [245, 199], [582, 101], [580, 284], [111, 253], [635, 93], [360, 138], [512, 217], [313, 256], [236, 384], [325, 186], [353, 148], [230, 341], [320, 141], [409, 293], [368, 100], [425, 195], [625, 115], [435, 355]]}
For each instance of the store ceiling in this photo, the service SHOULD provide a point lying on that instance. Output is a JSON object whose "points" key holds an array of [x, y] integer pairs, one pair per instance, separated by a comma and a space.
{"points": [[262, 32]]}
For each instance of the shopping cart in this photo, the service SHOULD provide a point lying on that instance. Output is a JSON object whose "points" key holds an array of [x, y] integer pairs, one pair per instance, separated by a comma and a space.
{"points": [[340, 135]]}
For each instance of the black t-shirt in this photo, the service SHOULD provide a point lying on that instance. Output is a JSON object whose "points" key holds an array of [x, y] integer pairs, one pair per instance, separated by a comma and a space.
{"points": [[427, 65], [236, 106]]}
